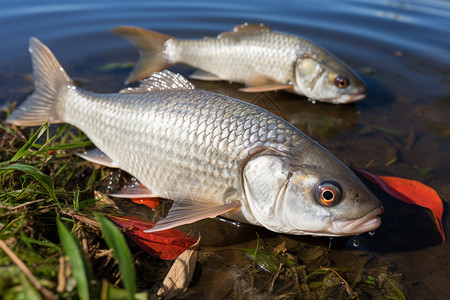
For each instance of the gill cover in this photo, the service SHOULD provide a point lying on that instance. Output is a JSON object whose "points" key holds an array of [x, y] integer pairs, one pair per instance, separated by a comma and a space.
{"points": [[265, 180]]}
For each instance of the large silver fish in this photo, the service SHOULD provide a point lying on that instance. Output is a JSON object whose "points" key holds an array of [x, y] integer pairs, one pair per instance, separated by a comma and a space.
{"points": [[263, 59], [211, 154]]}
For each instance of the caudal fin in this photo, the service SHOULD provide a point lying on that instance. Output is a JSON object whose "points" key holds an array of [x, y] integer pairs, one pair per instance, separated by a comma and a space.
{"points": [[150, 45], [49, 78]]}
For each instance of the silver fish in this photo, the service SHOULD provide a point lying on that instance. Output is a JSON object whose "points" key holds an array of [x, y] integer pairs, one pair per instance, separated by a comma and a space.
{"points": [[213, 155], [263, 59]]}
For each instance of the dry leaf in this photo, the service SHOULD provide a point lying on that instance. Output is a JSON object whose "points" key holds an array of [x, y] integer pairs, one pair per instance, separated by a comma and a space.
{"points": [[153, 203], [180, 274], [104, 200]]}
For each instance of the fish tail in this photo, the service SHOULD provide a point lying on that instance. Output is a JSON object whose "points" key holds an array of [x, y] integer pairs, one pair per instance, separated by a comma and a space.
{"points": [[49, 78], [150, 45]]}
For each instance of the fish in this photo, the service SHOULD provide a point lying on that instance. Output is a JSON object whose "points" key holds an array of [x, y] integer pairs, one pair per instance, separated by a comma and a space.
{"points": [[252, 54], [211, 154]]}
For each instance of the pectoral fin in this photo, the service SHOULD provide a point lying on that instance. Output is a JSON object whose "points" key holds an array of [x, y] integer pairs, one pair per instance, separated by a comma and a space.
{"points": [[266, 88], [98, 157], [263, 83], [186, 212]]}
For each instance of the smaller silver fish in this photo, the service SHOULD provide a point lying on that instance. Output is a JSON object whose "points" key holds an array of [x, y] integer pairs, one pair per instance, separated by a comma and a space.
{"points": [[252, 54]]}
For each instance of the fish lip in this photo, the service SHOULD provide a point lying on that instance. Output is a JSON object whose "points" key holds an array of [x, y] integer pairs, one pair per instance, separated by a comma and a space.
{"points": [[344, 99], [347, 98], [369, 222], [358, 97]]}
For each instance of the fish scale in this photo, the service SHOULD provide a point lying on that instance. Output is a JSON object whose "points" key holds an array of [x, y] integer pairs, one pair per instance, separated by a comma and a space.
{"points": [[194, 154], [268, 53], [211, 154]]}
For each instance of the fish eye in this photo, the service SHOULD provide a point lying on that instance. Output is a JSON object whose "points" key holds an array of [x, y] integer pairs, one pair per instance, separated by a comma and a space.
{"points": [[328, 193], [341, 82]]}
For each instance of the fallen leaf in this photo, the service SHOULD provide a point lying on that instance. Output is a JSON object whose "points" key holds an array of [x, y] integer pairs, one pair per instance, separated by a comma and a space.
{"points": [[150, 202], [180, 274], [412, 192], [103, 199], [166, 244]]}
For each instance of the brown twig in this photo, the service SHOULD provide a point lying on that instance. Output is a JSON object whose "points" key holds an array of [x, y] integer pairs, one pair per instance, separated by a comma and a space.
{"points": [[61, 287], [272, 282], [347, 287], [82, 219], [21, 205], [20, 264]]}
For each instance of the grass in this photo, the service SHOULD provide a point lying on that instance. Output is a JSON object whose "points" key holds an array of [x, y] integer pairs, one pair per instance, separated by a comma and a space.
{"points": [[45, 217]]}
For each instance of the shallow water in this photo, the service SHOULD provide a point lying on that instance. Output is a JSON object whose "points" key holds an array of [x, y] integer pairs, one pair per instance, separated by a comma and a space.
{"points": [[400, 48]]}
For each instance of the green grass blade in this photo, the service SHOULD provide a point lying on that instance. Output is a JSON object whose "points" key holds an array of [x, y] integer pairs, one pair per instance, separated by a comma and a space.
{"points": [[113, 293], [115, 240], [72, 249], [264, 259], [400, 295], [65, 146], [43, 179], [41, 242], [29, 292], [26, 148]]}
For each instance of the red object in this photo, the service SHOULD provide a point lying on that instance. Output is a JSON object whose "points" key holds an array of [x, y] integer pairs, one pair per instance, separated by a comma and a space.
{"points": [[166, 244], [412, 192], [150, 202]]}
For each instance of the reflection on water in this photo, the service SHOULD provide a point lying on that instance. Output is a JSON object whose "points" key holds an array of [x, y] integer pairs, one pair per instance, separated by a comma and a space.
{"points": [[436, 118], [401, 128]]}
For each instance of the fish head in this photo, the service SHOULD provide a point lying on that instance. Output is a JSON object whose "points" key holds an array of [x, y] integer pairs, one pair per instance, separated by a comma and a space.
{"points": [[315, 197], [325, 78]]}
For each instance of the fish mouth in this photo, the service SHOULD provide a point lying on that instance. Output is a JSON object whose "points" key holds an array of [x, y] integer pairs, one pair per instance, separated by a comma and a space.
{"points": [[347, 98], [369, 222]]}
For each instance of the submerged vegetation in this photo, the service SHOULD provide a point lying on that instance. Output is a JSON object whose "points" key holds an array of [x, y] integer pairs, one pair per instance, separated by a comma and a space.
{"points": [[56, 243]]}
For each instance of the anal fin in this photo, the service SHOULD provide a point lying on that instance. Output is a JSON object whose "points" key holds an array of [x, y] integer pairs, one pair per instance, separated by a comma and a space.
{"points": [[134, 192], [203, 75], [186, 212]]}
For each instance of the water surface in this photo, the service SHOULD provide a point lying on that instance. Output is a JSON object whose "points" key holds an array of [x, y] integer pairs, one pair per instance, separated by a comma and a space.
{"points": [[400, 48]]}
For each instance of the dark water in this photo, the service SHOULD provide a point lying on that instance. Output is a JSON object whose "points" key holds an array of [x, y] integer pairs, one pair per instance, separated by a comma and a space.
{"points": [[401, 49]]}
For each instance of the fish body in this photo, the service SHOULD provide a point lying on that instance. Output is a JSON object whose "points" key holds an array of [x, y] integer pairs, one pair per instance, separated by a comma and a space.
{"points": [[211, 154], [252, 54]]}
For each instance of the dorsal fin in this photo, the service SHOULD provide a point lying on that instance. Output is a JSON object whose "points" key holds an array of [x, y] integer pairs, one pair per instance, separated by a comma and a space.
{"points": [[245, 29], [160, 81]]}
